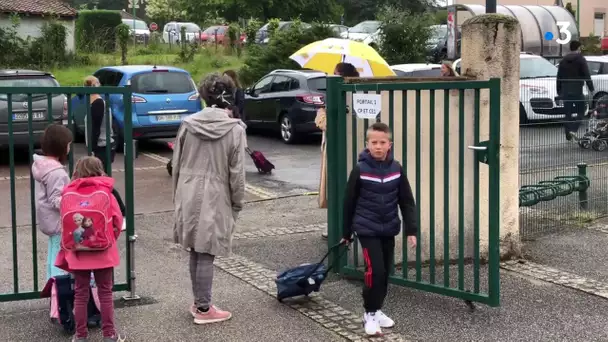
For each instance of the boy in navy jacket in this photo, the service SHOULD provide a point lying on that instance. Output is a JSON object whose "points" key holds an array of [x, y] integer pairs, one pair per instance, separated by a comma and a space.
{"points": [[377, 188]]}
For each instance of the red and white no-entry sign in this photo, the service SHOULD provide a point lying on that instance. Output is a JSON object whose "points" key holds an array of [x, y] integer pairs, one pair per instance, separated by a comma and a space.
{"points": [[153, 27]]}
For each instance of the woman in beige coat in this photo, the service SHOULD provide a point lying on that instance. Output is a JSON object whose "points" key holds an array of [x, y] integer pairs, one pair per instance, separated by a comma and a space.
{"points": [[208, 188]]}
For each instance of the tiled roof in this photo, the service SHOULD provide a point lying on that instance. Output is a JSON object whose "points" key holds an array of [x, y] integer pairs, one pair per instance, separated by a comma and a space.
{"points": [[38, 7]]}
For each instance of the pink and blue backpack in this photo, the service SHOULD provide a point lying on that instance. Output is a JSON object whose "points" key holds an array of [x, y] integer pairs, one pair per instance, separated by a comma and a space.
{"points": [[61, 291]]}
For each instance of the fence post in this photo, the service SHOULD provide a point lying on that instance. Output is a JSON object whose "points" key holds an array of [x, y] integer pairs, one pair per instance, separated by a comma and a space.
{"points": [[334, 211], [582, 194], [129, 196]]}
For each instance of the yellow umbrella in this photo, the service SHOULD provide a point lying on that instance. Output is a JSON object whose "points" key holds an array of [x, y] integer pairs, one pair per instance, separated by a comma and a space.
{"points": [[323, 56]]}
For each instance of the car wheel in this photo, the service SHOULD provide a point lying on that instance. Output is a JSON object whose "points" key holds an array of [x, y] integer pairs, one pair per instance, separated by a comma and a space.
{"points": [[78, 135], [523, 117], [288, 131]]}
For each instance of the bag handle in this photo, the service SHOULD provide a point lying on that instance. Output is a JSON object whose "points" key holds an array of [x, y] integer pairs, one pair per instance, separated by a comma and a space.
{"points": [[325, 257]]}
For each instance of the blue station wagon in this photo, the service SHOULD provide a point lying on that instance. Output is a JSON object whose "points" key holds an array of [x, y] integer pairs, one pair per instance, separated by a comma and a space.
{"points": [[162, 97]]}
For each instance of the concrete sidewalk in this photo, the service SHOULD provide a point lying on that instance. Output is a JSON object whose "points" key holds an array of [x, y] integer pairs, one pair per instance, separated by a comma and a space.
{"points": [[538, 303], [164, 283]]}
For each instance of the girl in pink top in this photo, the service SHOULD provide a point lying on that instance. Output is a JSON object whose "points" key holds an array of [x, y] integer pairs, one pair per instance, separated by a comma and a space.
{"points": [[100, 263]]}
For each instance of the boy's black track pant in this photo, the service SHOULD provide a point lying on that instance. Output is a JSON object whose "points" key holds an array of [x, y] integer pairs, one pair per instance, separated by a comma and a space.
{"points": [[378, 256]]}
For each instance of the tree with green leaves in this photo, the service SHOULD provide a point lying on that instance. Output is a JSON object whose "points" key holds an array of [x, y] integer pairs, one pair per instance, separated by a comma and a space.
{"points": [[165, 10], [404, 35]]}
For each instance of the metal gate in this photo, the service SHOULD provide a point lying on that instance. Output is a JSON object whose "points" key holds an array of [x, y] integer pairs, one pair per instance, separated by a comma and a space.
{"points": [[451, 158], [30, 110]]}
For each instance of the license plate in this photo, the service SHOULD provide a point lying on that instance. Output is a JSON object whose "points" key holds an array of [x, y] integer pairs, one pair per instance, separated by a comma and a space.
{"points": [[162, 118], [24, 116]]}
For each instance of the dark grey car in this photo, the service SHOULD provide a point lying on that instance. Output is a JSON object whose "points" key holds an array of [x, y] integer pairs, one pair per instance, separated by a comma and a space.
{"points": [[40, 111]]}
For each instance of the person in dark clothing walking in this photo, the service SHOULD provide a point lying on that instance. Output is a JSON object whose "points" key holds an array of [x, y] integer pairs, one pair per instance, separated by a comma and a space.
{"points": [[572, 74], [97, 140], [239, 96], [377, 188]]}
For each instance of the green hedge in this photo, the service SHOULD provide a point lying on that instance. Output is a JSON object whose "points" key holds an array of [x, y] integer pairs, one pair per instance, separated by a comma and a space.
{"points": [[95, 30]]}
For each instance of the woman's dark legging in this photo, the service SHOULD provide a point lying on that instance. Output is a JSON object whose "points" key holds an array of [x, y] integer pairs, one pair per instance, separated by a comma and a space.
{"points": [[101, 154]]}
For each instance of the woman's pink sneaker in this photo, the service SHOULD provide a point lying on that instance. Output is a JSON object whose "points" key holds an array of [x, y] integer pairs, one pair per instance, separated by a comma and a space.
{"points": [[214, 315]]}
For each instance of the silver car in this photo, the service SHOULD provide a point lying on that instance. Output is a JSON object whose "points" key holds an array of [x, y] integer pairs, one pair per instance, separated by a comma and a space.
{"points": [[40, 110]]}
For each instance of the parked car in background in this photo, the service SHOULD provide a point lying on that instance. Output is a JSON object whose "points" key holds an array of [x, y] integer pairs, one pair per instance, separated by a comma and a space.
{"points": [[172, 32], [598, 68], [537, 89], [417, 70], [286, 101], [437, 45], [367, 32], [139, 29], [218, 34], [338, 29], [262, 37], [162, 97], [41, 114]]}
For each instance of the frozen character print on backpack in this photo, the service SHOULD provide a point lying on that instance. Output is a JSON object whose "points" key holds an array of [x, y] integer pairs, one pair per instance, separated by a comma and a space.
{"points": [[78, 221], [88, 233]]}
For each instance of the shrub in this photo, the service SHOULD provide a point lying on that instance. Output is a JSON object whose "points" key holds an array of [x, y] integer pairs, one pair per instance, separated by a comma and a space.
{"points": [[403, 36], [96, 30], [49, 49], [262, 60], [591, 45], [251, 30], [122, 37]]}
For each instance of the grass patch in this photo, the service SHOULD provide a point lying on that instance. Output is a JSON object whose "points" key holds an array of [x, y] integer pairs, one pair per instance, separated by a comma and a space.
{"points": [[206, 60]]}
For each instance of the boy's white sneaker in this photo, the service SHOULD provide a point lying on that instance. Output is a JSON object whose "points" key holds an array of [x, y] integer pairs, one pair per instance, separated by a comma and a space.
{"points": [[383, 320], [370, 322]]}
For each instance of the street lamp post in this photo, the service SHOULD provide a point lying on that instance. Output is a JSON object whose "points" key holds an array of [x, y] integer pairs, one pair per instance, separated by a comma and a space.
{"points": [[490, 6], [578, 16]]}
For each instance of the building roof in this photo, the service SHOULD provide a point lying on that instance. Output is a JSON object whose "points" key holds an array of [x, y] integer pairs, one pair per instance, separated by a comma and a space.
{"points": [[38, 7]]}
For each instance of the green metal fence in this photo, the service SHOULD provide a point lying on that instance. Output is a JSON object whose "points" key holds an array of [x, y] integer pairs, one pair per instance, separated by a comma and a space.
{"points": [[446, 135], [545, 152], [29, 110]]}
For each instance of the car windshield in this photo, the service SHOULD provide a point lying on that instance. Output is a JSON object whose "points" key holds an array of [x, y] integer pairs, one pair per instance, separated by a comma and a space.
{"points": [[162, 83], [536, 68], [317, 84], [139, 24], [438, 32], [191, 27], [27, 82], [365, 27]]}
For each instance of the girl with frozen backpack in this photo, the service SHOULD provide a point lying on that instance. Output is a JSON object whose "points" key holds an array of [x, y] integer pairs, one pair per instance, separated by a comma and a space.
{"points": [[91, 225]]}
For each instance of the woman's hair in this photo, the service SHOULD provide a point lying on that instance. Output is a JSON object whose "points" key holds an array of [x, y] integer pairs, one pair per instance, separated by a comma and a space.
{"points": [[88, 167], [90, 81], [451, 70], [234, 76], [347, 70], [55, 141], [218, 90]]}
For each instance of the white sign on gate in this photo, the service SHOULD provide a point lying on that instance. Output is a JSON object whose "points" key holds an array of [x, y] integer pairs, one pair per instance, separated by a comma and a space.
{"points": [[367, 106]]}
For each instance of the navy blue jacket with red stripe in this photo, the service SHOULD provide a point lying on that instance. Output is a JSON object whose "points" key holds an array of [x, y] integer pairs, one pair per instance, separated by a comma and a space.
{"points": [[375, 192]]}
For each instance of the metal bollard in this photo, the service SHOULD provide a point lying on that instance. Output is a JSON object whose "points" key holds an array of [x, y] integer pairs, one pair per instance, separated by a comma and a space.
{"points": [[582, 194], [132, 296]]}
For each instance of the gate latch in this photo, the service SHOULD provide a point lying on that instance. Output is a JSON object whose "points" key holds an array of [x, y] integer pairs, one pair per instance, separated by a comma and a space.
{"points": [[481, 151]]}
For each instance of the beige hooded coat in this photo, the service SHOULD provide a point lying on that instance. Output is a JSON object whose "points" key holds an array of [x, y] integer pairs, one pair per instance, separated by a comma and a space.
{"points": [[208, 181]]}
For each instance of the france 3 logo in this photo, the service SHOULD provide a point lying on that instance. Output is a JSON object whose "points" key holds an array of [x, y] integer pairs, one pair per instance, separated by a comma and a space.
{"points": [[564, 31]]}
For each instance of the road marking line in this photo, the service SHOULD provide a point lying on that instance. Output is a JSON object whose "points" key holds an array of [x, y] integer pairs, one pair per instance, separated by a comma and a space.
{"points": [[156, 157], [259, 192], [145, 168]]}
